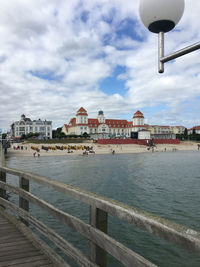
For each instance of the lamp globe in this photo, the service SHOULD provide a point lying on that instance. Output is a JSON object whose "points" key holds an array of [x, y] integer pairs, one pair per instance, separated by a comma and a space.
{"points": [[161, 15]]}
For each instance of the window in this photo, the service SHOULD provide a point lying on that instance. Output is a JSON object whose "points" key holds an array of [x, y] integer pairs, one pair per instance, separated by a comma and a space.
{"points": [[85, 128], [81, 128]]}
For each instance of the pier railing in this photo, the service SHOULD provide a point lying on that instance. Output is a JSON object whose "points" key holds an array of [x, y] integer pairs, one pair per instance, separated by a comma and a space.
{"points": [[100, 242]]}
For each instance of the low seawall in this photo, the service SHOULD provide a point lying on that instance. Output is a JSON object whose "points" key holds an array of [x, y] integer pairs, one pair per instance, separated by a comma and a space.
{"points": [[137, 142]]}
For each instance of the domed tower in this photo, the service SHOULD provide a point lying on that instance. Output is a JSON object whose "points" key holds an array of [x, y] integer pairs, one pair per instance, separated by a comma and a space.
{"points": [[101, 117], [23, 117], [138, 118], [81, 116]]}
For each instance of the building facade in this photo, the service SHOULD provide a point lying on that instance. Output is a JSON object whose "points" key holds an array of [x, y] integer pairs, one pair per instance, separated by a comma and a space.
{"points": [[195, 129], [101, 127], [26, 126]]}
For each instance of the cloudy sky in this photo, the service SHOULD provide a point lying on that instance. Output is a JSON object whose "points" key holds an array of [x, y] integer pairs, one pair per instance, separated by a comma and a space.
{"points": [[59, 55]]}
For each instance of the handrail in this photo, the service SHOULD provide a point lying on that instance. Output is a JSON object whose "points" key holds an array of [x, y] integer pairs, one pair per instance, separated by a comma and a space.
{"points": [[177, 234]]}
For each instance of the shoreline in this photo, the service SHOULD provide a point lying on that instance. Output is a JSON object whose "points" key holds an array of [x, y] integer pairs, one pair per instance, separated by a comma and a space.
{"points": [[98, 149]]}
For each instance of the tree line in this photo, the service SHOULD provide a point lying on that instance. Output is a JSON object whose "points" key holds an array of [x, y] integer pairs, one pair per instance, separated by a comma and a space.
{"points": [[185, 136]]}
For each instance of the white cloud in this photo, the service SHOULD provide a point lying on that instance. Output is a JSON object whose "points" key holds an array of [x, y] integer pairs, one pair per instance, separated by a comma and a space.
{"points": [[76, 45]]}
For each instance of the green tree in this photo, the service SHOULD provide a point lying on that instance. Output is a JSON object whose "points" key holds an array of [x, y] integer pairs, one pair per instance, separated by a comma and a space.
{"points": [[86, 135], [58, 133], [23, 136], [185, 135], [4, 135]]}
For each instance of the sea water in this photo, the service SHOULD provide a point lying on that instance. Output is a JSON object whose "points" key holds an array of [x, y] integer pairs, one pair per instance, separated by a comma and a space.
{"points": [[166, 184]]}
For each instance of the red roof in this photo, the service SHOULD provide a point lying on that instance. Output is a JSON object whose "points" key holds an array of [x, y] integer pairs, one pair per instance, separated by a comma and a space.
{"points": [[194, 128], [117, 123], [138, 114], [66, 127], [72, 121], [93, 122], [82, 112]]}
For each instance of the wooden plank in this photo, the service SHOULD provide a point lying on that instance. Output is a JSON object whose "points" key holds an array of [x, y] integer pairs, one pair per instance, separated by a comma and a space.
{"points": [[2, 173], [10, 237], [6, 246], [179, 235], [2, 220], [16, 250], [20, 256], [39, 263], [24, 260], [6, 229], [99, 220], [117, 250], [23, 203], [3, 179], [61, 243], [6, 242], [37, 242]]}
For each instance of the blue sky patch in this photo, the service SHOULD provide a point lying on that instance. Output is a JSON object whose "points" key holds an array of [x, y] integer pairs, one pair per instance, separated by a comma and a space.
{"points": [[127, 28], [84, 16], [112, 85], [48, 75]]}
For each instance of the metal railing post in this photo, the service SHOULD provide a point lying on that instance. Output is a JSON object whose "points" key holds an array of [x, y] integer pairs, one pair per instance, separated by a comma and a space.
{"points": [[99, 220]]}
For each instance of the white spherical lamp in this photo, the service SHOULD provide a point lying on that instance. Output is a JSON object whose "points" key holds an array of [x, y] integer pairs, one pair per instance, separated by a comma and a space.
{"points": [[161, 15]]}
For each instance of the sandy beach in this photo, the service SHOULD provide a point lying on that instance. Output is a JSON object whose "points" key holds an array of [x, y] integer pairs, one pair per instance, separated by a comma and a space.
{"points": [[98, 149]]}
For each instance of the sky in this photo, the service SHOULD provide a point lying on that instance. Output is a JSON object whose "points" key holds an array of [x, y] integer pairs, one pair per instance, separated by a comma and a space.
{"points": [[59, 55]]}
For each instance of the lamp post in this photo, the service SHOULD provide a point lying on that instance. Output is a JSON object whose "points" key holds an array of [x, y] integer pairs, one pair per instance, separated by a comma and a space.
{"points": [[161, 16]]}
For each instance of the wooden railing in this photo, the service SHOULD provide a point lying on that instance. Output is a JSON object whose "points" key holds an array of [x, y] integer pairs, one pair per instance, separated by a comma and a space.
{"points": [[96, 231]]}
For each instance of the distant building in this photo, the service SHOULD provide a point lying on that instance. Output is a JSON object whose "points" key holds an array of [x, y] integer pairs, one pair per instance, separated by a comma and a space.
{"points": [[165, 132], [101, 127], [26, 126], [195, 129]]}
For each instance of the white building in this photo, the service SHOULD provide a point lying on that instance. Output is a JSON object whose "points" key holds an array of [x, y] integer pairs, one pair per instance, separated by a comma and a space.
{"points": [[101, 127], [26, 126], [195, 129]]}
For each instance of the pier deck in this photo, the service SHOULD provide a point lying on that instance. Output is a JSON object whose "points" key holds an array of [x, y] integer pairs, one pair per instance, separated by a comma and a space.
{"points": [[16, 249]]}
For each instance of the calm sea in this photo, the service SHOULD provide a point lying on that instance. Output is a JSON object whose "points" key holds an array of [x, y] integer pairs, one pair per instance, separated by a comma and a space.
{"points": [[166, 184]]}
